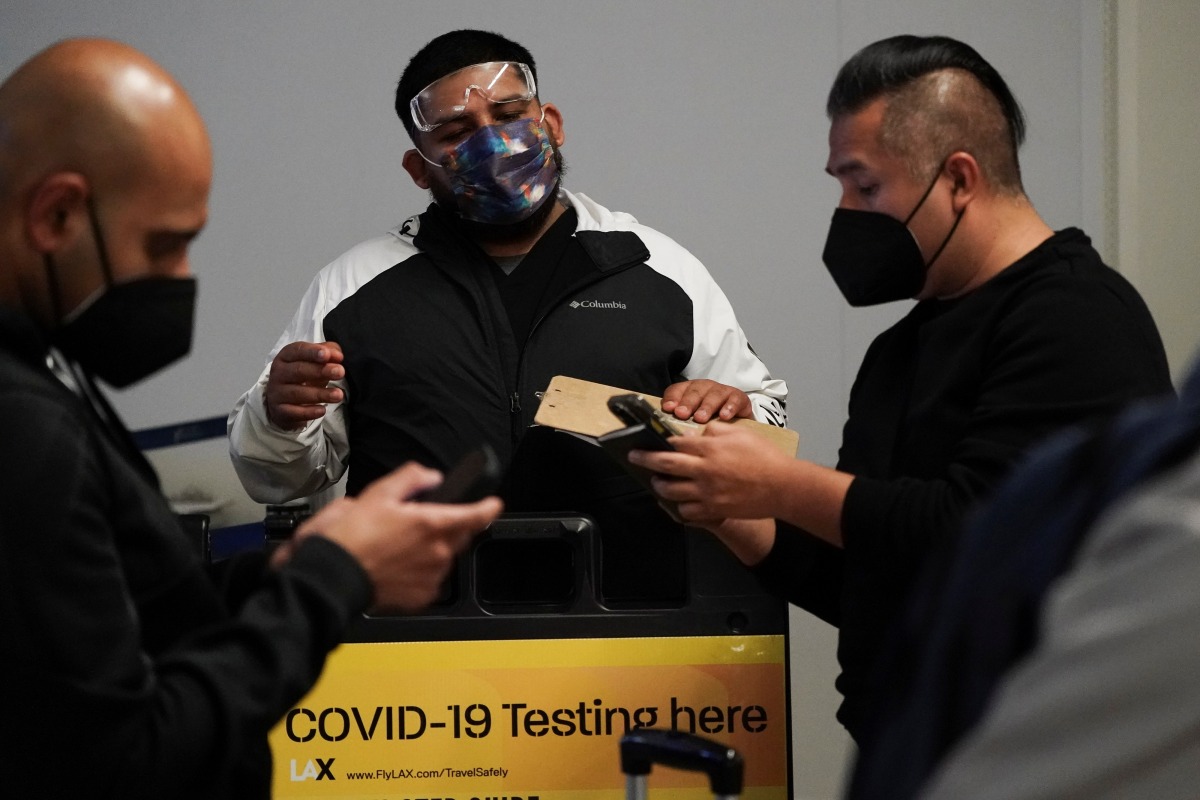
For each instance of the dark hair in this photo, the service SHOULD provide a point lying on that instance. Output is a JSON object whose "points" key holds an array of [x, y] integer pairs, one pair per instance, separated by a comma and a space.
{"points": [[891, 67], [447, 53]]}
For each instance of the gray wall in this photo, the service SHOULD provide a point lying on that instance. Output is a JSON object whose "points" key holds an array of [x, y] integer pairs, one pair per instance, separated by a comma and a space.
{"points": [[703, 118], [1157, 116]]}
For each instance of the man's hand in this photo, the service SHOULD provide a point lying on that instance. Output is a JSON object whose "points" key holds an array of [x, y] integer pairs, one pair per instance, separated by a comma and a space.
{"points": [[726, 473], [406, 548], [703, 400], [731, 473], [298, 385]]}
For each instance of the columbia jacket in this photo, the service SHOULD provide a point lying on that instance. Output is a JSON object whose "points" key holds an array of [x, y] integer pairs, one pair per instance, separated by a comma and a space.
{"points": [[432, 365]]}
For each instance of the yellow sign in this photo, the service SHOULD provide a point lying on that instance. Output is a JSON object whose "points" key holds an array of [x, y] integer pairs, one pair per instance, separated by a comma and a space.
{"points": [[530, 719]]}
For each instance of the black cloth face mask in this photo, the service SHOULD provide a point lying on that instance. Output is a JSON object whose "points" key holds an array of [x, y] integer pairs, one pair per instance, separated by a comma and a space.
{"points": [[133, 329], [874, 258]]}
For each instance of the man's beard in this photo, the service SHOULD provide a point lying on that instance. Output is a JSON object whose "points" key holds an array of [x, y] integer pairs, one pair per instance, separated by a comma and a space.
{"points": [[502, 233]]}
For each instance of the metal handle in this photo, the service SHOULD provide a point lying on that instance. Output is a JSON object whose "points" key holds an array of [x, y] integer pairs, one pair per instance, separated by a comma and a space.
{"points": [[645, 747]]}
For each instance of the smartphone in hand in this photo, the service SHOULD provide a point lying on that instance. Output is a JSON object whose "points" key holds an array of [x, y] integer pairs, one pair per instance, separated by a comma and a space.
{"points": [[473, 478], [633, 409], [645, 430]]}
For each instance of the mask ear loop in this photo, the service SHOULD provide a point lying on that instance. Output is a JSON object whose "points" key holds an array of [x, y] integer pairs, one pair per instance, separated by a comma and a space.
{"points": [[52, 285], [101, 246], [921, 202], [52, 273], [946, 241], [428, 160]]}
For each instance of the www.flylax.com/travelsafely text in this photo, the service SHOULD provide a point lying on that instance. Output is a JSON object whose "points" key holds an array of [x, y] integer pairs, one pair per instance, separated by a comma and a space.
{"points": [[425, 774]]}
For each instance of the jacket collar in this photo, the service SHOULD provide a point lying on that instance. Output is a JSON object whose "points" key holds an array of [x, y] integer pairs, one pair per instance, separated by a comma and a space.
{"points": [[20, 336], [606, 236], [26, 342]]}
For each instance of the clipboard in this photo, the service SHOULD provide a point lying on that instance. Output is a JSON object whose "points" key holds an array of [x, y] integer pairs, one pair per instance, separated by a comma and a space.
{"points": [[581, 407]]}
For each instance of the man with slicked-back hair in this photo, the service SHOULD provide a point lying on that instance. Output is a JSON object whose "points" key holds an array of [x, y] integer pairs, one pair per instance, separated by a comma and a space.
{"points": [[1018, 330]]}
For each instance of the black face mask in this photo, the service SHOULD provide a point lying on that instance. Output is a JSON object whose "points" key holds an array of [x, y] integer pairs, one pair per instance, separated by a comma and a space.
{"points": [[874, 258], [133, 329]]}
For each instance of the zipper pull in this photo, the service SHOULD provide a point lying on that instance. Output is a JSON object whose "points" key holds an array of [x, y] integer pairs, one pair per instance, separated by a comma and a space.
{"points": [[514, 402]]}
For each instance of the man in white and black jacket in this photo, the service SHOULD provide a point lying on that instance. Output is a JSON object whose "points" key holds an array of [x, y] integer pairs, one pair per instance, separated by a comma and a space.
{"points": [[439, 335]]}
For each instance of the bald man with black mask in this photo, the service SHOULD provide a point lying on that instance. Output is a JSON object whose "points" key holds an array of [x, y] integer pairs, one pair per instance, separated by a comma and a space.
{"points": [[130, 670]]}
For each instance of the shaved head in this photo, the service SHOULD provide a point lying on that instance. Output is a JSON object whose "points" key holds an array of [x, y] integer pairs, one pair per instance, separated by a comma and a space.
{"points": [[96, 107], [941, 112], [941, 96], [95, 133]]}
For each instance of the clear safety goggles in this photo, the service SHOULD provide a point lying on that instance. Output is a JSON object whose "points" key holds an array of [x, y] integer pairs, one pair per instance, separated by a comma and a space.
{"points": [[447, 97]]}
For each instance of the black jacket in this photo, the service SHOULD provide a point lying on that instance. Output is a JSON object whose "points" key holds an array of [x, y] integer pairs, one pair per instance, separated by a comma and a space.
{"points": [[443, 352], [128, 670], [464, 376], [945, 403]]}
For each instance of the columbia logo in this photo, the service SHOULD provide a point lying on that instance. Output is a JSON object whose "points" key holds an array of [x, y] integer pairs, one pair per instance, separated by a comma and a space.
{"points": [[597, 304]]}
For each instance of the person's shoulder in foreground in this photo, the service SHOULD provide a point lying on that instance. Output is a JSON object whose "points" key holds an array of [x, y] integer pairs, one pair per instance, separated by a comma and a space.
{"points": [[1077, 644], [155, 678], [1105, 705]]}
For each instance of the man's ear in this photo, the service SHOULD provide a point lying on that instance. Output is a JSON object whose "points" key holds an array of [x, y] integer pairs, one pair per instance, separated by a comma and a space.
{"points": [[417, 168], [56, 212], [964, 171], [554, 124]]}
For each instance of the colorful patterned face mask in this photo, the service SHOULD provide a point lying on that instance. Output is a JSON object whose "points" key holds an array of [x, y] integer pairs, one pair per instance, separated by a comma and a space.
{"points": [[502, 173]]}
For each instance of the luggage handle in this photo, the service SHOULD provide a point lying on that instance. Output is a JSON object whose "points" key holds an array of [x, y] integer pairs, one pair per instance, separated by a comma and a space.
{"points": [[642, 748]]}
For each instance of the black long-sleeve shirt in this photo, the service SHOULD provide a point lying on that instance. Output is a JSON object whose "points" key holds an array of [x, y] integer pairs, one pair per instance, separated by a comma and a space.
{"points": [[127, 671], [945, 403]]}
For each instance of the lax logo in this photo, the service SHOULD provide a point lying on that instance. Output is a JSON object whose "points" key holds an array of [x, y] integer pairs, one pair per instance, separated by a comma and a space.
{"points": [[318, 770], [597, 304]]}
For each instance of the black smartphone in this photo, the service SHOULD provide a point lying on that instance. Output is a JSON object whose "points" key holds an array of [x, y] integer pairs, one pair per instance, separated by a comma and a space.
{"points": [[632, 409], [474, 477], [644, 430]]}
